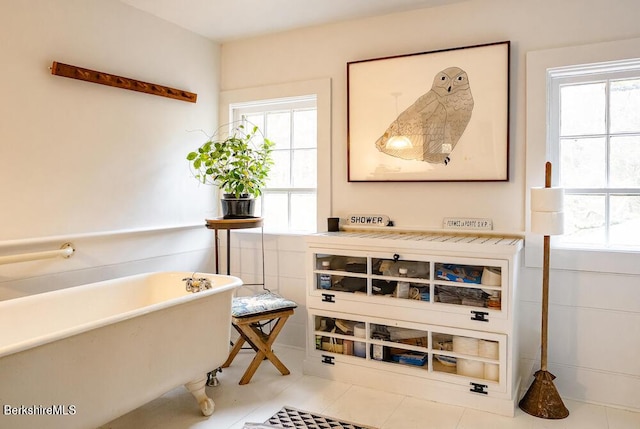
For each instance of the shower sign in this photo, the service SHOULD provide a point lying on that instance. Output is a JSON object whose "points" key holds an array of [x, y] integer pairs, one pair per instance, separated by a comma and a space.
{"points": [[369, 220]]}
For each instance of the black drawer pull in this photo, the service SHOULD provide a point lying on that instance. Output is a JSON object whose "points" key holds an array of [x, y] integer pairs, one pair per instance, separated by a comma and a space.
{"points": [[480, 316], [478, 388], [328, 297], [328, 359]]}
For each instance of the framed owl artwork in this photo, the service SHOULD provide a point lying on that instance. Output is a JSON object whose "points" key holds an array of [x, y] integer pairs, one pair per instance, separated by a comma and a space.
{"points": [[430, 116]]}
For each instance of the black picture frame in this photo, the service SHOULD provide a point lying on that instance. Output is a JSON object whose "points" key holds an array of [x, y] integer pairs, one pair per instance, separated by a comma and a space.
{"points": [[456, 132]]}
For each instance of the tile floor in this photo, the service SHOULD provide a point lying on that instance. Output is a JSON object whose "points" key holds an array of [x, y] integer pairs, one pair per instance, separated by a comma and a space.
{"points": [[268, 391]]}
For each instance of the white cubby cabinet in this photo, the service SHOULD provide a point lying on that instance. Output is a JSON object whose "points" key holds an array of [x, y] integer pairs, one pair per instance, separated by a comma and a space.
{"points": [[449, 335]]}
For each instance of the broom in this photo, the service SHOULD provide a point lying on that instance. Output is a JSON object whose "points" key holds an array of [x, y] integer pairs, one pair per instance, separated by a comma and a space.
{"points": [[542, 399]]}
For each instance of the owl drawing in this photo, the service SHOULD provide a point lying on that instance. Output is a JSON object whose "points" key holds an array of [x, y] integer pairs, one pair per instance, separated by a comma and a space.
{"points": [[434, 122]]}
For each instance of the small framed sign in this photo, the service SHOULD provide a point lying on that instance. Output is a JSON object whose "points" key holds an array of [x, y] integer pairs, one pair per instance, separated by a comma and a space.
{"points": [[467, 223], [368, 220]]}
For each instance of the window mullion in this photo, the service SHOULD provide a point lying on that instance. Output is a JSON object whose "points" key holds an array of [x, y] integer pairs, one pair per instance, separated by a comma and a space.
{"points": [[613, 191], [291, 149], [553, 136], [289, 223], [290, 168], [607, 199]]}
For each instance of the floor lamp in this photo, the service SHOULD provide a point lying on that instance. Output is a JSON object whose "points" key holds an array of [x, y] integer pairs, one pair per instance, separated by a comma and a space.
{"points": [[542, 399]]}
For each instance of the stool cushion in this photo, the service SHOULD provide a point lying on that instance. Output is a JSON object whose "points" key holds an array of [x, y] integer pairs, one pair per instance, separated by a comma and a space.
{"points": [[256, 304]]}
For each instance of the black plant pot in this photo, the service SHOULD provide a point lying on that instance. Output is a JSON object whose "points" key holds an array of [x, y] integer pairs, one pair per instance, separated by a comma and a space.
{"points": [[237, 208]]}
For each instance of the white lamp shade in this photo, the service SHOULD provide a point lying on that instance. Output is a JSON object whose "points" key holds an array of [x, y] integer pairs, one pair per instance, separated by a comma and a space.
{"points": [[547, 199], [547, 223]]}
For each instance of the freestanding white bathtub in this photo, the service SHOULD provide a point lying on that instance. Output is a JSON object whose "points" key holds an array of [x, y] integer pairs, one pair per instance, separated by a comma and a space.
{"points": [[82, 356]]}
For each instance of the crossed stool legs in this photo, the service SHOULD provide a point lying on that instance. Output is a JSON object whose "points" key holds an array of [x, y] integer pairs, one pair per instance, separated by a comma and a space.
{"points": [[249, 329]]}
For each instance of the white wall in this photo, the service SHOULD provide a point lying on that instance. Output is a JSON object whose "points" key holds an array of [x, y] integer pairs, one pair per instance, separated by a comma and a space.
{"points": [[593, 316], [79, 161]]}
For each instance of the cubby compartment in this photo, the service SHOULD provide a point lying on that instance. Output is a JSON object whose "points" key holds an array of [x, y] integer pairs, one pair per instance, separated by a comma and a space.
{"points": [[468, 285], [466, 356], [391, 267], [340, 336], [340, 273], [409, 346]]}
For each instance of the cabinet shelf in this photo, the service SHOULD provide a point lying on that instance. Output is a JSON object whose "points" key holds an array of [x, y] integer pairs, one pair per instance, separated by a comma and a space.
{"points": [[399, 346], [339, 273], [416, 280], [465, 285]]}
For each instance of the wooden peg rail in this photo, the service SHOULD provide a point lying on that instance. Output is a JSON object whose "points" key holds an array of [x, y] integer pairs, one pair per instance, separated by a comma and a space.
{"points": [[73, 72]]}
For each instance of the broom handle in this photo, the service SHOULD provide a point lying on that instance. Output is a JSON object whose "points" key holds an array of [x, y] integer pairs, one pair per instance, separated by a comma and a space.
{"points": [[545, 283]]}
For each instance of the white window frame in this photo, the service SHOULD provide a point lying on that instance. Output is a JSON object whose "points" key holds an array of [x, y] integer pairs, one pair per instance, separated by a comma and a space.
{"points": [[321, 89], [602, 73], [538, 151], [308, 102]]}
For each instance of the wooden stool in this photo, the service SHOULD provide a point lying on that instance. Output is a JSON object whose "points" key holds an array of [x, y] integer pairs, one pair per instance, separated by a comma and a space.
{"points": [[246, 320]]}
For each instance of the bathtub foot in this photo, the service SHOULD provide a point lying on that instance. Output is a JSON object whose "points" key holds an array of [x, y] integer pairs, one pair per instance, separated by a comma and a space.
{"points": [[197, 389]]}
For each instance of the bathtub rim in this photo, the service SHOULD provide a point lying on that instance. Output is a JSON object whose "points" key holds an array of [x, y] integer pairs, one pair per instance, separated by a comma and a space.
{"points": [[10, 349]]}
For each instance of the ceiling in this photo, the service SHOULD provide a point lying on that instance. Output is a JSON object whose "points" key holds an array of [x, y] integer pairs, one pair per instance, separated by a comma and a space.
{"points": [[226, 20]]}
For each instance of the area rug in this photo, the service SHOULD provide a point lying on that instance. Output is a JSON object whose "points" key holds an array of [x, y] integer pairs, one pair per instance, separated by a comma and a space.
{"points": [[289, 417]]}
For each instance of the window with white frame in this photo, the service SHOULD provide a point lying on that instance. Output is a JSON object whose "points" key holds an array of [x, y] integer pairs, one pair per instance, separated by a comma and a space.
{"points": [[289, 200], [594, 135]]}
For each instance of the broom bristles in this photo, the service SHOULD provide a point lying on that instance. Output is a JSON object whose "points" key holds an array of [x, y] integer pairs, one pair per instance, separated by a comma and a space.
{"points": [[542, 399]]}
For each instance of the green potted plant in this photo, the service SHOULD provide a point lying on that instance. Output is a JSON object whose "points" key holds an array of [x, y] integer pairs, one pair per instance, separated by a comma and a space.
{"points": [[237, 164]]}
